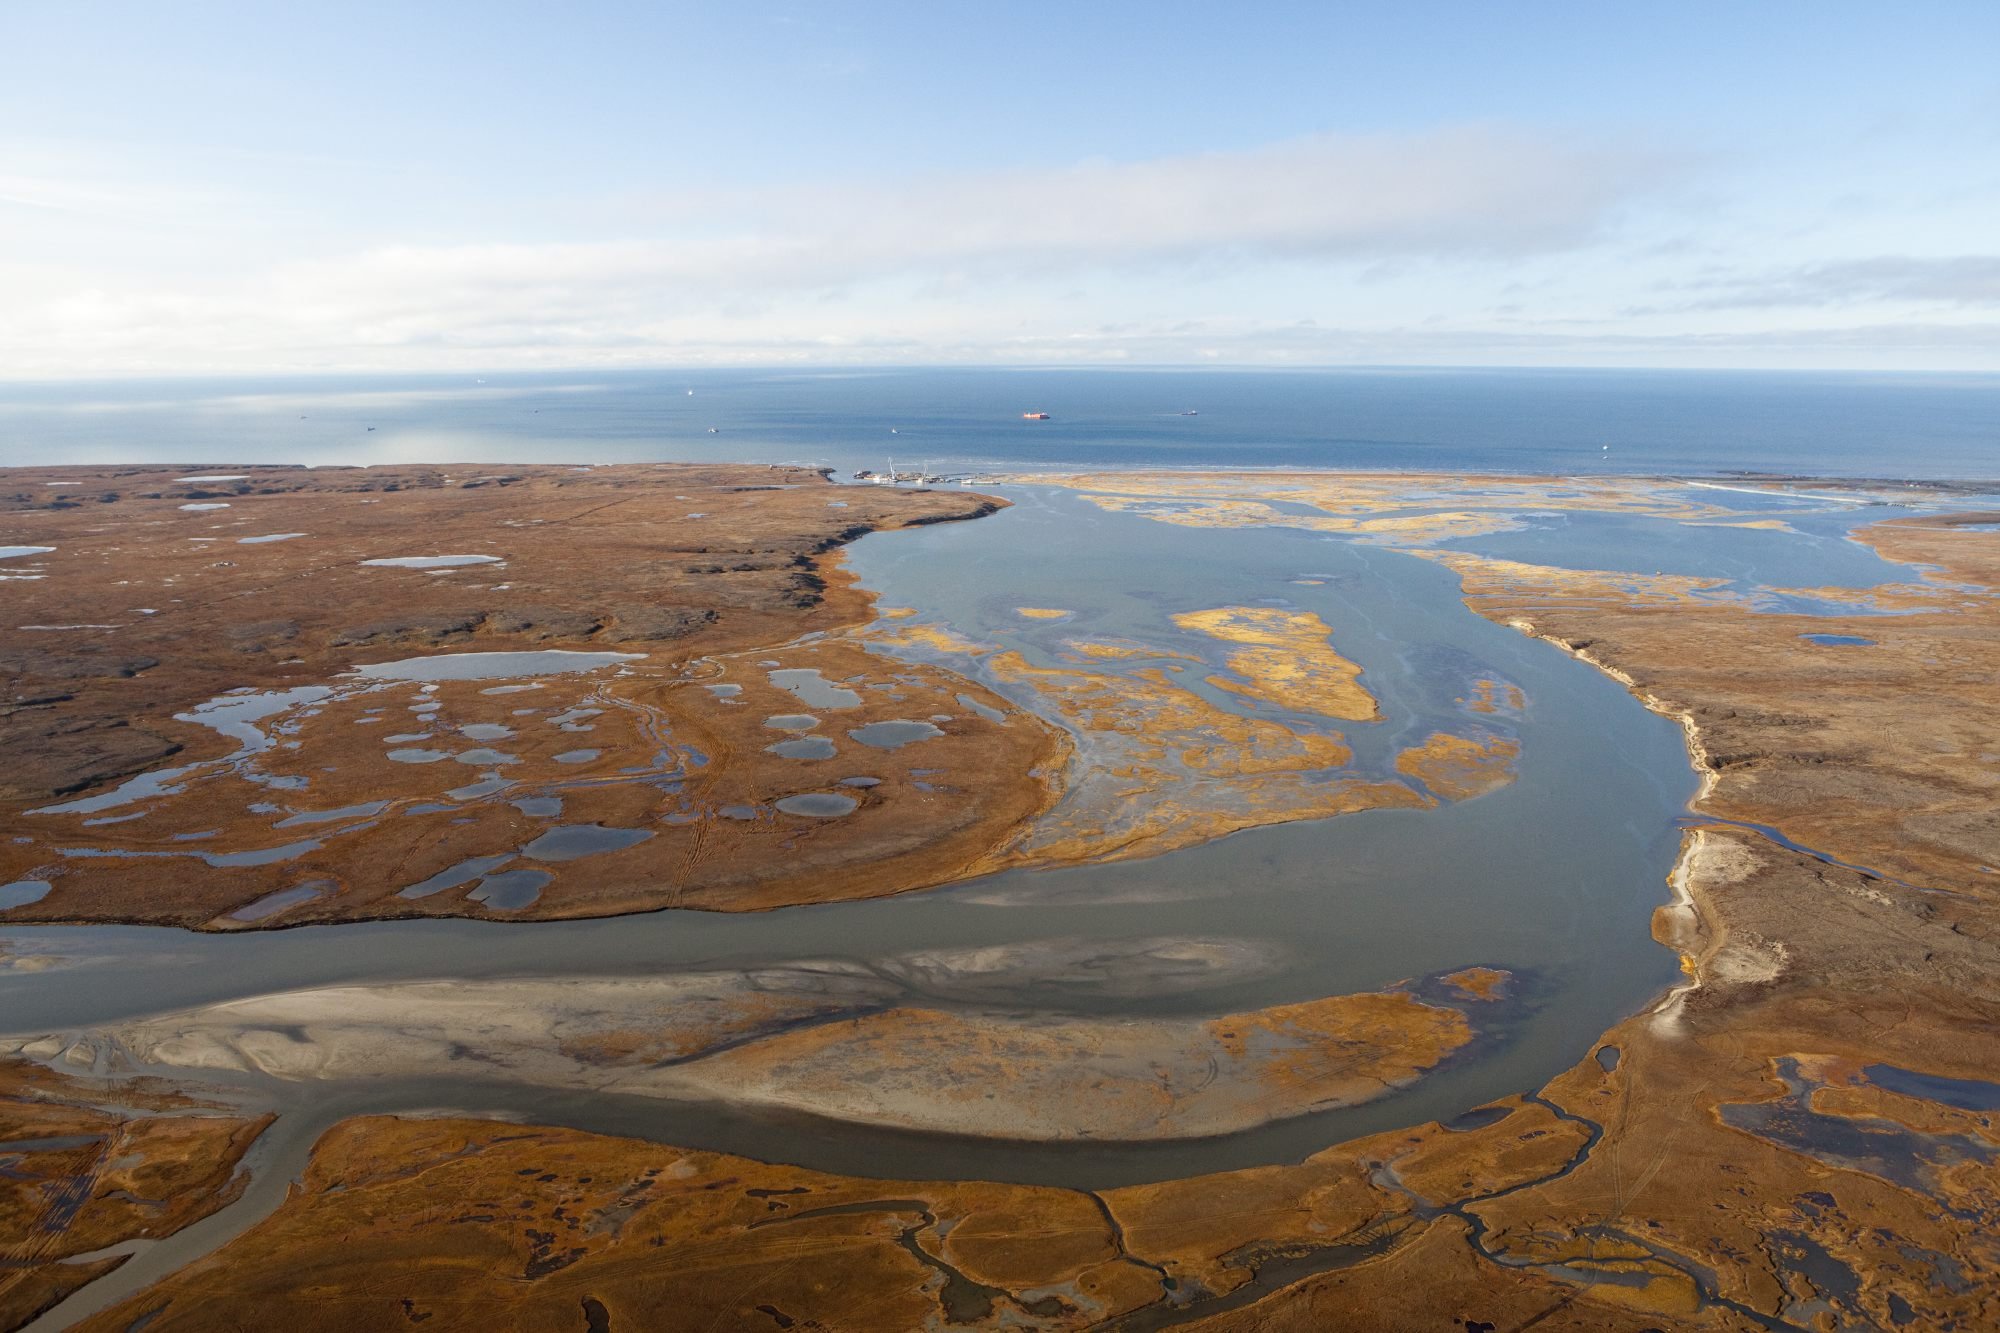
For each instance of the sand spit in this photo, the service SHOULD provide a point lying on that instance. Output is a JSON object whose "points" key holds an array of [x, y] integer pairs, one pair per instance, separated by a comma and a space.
{"points": [[834, 1040], [1053, 1078]]}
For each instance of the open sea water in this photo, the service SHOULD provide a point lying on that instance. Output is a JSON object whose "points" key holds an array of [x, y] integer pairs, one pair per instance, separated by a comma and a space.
{"points": [[1900, 425]]}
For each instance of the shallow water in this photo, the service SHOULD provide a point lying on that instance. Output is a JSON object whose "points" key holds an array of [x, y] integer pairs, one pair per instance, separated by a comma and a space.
{"points": [[573, 840], [452, 877], [540, 807], [987, 711], [511, 890], [894, 735], [484, 758], [432, 561], [263, 856], [233, 715], [1882, 1148], [818, 804], [814, 690], [1553, 877], [366, 809], [491, 666], [273, 903], [23, 892], [805, 747], [1799, 559], [1966, 1094]]}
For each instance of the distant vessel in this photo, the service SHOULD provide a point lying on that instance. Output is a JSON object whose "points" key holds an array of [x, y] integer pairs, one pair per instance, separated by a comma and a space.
{"points": [[1189, 413], [1034, 416]]}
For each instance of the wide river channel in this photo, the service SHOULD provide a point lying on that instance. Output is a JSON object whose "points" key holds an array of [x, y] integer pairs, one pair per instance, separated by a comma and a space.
{"points": [[1553, 877]]}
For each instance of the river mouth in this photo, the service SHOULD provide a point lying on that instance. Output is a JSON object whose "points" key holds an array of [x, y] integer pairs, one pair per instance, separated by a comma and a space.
{"points": [[1550, 876]]}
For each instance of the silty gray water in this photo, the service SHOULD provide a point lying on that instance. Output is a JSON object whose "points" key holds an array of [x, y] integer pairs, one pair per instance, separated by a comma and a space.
{"points": [[1553, 877]]}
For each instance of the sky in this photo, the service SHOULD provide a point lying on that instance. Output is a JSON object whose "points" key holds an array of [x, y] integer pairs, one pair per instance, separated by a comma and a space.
{"points": [[247, 188]]}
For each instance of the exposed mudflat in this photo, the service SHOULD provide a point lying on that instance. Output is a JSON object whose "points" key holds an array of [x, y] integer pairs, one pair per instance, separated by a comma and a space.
{"points": [[830, 1039]]}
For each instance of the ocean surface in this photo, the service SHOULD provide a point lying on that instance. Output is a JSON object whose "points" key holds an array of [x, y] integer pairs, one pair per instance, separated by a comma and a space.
{"points": [[1931, 426]]}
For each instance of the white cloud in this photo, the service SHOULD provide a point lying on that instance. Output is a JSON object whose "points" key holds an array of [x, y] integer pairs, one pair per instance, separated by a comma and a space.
{"points": [[1469, 246], [738, 263], [1960, 280]]}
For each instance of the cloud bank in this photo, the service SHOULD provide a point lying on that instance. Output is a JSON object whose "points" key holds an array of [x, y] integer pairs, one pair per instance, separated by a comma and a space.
{"points": [[1952, 280], [1323, 249], [743, 265]]}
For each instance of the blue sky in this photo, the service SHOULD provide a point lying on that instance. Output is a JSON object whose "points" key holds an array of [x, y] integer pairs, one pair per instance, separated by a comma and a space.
{"points": [[225, 187]]}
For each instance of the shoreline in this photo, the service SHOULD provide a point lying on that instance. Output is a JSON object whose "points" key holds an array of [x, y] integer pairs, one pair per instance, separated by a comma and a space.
{"points": [[1010, 475]]}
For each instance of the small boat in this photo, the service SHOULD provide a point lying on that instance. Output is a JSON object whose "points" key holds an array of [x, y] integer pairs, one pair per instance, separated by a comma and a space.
{"points": [[1189, 413], [1034, 416]]}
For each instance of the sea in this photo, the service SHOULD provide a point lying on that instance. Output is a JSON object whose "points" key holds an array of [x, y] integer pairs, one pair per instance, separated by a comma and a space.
{"points": [[1697, 423]]}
